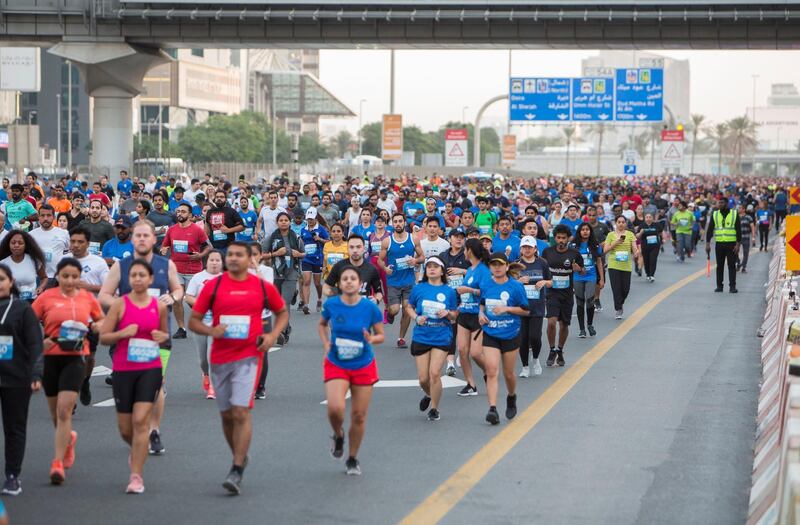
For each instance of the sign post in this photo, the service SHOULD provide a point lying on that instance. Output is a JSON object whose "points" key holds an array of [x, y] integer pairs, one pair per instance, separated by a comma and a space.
{"points": [[392, 137], [672, 141], [455, 147]]}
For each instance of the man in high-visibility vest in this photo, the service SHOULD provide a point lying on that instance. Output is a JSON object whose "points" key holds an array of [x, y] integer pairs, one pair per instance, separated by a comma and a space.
{"points": [[725, 227]]}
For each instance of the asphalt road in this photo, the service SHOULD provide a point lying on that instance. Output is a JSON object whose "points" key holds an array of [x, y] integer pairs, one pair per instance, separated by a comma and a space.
{"points": [[659, 430]]}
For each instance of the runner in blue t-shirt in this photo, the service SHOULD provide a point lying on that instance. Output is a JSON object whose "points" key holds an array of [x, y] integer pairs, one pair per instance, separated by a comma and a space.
{"points": [[503, 301], [355, 324], [432, 305], [584, 284], [314, 238], [535, 277], [249, 218]]}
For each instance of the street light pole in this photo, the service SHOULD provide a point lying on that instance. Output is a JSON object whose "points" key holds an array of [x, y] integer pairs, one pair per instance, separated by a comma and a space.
{"points": [[360, 116], [755, 77], [58, 130], [160, 122], [464, 114], [69, 115]]}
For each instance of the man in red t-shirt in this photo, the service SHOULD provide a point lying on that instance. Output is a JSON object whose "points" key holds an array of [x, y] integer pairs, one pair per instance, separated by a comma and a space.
{"points": [[634, 199], [236, 300], [188, 243]]}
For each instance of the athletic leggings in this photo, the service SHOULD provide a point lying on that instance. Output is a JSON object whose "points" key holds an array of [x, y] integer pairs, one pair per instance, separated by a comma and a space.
{"points": [[620, 286], [531, 338], [650, 256], [584, 298], [203, 344], [15, 402], [287, 288], [763, 235]]}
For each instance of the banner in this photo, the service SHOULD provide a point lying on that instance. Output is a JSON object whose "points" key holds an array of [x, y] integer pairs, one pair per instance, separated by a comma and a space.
{"points": [[392, 137]]}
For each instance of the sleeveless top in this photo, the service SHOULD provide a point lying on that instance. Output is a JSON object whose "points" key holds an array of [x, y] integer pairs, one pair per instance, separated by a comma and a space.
{"points": [[403, 270], [139, 352]]}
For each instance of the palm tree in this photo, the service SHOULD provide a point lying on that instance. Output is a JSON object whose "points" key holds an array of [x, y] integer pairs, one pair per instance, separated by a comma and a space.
{"points": [[742, 137], [718, 133], [697, 122], [652, 137], [569, 133], [598, 130]]}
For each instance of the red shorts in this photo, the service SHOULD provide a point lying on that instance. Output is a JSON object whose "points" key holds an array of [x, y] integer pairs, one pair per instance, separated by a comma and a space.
{"points": [[366, 376]]}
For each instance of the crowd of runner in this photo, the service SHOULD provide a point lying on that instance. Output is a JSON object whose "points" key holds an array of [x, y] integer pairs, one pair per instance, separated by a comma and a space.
{"points": [[478, 267]]}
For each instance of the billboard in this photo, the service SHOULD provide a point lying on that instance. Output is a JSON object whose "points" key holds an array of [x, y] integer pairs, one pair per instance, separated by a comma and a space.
{"points": [[209, 88], [392, 137], [455, 147], [19, 69], [509, 149]]}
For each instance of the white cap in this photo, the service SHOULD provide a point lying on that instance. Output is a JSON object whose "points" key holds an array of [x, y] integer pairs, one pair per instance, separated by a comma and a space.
{"points": [[311, 213], [528, 241], [435, 260]]}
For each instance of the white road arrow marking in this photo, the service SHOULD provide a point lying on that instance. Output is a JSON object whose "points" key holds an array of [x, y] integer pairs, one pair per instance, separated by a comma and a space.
{"points": [[106, 403], [101, 370], [447, 382]]}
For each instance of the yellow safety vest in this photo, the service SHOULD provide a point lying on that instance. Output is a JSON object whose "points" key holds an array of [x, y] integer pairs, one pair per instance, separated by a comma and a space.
{"points": [[724, 229]]}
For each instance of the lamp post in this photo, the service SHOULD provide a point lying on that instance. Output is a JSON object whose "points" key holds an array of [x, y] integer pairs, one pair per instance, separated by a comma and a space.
{"points": [[360, 116], [464, 114], [58, 130]]}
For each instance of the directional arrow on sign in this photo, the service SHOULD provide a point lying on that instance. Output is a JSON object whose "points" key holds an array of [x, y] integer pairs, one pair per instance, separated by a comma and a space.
{"points": [[796, 194], [562, 116], [530, 116], [447, 382], [603, 116], [641, 116], [794, 242]]}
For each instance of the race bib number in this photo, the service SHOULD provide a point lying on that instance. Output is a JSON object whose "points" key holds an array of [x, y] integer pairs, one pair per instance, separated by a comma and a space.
{"points": [[484, 229], [142, 350], [219, 236], [621, 256], [587, 259], [154, 292], [236, 326], [333, 258], [375, 246], [94, 248], [6, 347], [561, 282], [180, 246], [683, 222], [27, 294], [454, 281], [492, 304], [466, 298], [247, 232], [531, 292], [431, 309], [310, 249], [652, 239], [404, 263], [347, 349]]}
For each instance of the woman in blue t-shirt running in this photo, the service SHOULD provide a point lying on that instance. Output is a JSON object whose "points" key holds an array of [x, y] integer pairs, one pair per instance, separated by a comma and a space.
{"points": [[349, 327]]}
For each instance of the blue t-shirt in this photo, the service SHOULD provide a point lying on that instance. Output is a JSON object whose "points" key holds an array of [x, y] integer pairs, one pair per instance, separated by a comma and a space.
{"points": [[590, 273], [113, 249], [249, 219], [347, 323], [428, 300], [420, 220], [313, 248], [572, 225], [541, 246], [363, 232], [763, 216], [173, 204], [499, 245], [474, 278], [780, 201], [124, 186], [536, 271], [511, 293], [412, 209]]}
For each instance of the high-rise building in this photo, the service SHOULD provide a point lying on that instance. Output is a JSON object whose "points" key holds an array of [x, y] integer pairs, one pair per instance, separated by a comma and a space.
{"points": [[778, 123]]}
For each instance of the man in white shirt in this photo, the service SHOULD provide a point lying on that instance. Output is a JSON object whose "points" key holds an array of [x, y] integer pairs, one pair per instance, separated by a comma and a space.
{"points": [[52, 240], [191, 194], [386, 203], [268, 216], [432, 245]]}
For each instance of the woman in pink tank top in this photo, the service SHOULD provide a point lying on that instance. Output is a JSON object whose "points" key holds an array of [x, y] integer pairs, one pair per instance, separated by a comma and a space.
{"points": [[137, 324]]}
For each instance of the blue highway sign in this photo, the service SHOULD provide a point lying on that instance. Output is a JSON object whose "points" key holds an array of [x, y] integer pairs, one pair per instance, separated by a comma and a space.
{"points": [[640, 95], [592, 99], [539, 99]]}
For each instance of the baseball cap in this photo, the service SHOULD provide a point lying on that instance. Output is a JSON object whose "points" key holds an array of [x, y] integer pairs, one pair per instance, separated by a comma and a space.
{"points": [[472, 230], [485, 236], [528, 241], [123, 221], [434, 260], [311, 213], [456, 231], [498, 257]]}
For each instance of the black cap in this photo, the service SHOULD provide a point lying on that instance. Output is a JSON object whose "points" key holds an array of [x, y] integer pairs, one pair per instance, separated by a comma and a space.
{"points": [[472, 230], [498, 256], [456, 231]]}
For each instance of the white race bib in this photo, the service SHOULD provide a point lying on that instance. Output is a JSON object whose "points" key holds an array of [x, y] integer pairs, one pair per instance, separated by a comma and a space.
{"points": [[454, 281], [404, 263], [94, 248], [531, 292], [621, 256], [154, 292], [219, 236], [347, 349], [6, 347], [652, 239], [683, 222], [236, 326], [310, 249], [561, 282], [431, 309], [375, 246], [491, 304], [334, 258], [248, 232], [180, 246], [142, 350]]}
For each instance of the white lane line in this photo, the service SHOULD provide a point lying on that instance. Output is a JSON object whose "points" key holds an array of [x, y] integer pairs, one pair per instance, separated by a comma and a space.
{"points": [[100, 370], [447, 382], [106, 403]]}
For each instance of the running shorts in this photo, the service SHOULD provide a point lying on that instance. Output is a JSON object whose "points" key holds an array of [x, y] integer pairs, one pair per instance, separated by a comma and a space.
{"points": [[184, 278], [397, 294], [313, 268], [93, 339], [418, 349], [560, 307], [63, 373], [139, 386], [504, 345], [469, 321], [235, 382], [365, 376]]}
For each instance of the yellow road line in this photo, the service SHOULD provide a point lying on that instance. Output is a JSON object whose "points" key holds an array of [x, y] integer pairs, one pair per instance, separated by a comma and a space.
{"points": [[449, 493]]}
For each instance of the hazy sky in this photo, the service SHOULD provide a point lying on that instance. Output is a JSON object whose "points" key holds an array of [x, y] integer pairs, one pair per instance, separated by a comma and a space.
{"points": [[433, 86]]}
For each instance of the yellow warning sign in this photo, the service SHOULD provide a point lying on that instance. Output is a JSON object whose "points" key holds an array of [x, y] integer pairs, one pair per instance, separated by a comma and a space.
{"points": [[794, 195], [793, 243]]}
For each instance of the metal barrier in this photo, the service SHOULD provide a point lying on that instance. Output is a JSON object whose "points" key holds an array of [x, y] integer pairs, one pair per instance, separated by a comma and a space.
{"points": [[775, 491]]}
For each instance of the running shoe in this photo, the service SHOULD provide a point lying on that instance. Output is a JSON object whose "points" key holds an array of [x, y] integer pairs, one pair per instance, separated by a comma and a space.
{"points": [[468, 390], [618, 315], [319, 306], [424, 403], [12, 486], [261, 393], [211, 394], [537, 367], [180, 333], [57, 475], [69, 453], [492, 417], [294, 298], [306, 311], [156, 447], [582, 334], [597, 306], [206, 383], [433, 415], [353, 468], [744, 270], [233, 482], [511, 406], [734, 290], [389, 317], [86, 393], [401, 343], [451, 370], [718, 289], [592, 331], [337, 446], [281, 339], [551, 357], [560, 358], [525, 372], [135, 485]]}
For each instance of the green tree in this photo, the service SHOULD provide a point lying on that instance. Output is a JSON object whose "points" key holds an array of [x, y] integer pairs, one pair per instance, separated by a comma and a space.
{"points": [[340, 144], [741, 138], [311, 149], [148, 148], [371, 139], [695, 126], [718, 134], [569, 135], [227, 138]]}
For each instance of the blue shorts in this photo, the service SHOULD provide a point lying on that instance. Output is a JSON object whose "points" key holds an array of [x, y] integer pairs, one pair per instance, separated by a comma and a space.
{"points": [[308, 267]]}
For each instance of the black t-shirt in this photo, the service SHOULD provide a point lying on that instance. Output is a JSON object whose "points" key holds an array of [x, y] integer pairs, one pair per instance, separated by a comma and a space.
{"points": [[648, 232], [537, 271], [560, 264], [370, 279], [225, 216], [458, 260]]}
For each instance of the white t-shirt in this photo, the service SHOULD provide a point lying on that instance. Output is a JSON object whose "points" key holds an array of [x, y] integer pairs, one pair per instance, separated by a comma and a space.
{"points": [[269, 219], [432, 248], [195, 286], [95, 269], [54, 243], [387, 205], [629, 214], [24, 274]]}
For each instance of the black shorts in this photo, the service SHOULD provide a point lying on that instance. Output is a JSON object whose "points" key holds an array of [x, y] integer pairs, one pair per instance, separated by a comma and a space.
{"points": [[140, 386], [93, 339], [504, 345], [418, 349], [313, 268], [469, 321], [452, 350], [63, 373], [560, 306]]}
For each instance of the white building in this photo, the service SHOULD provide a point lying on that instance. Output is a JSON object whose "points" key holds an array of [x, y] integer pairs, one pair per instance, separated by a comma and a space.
{"points": [[779, 121]]}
